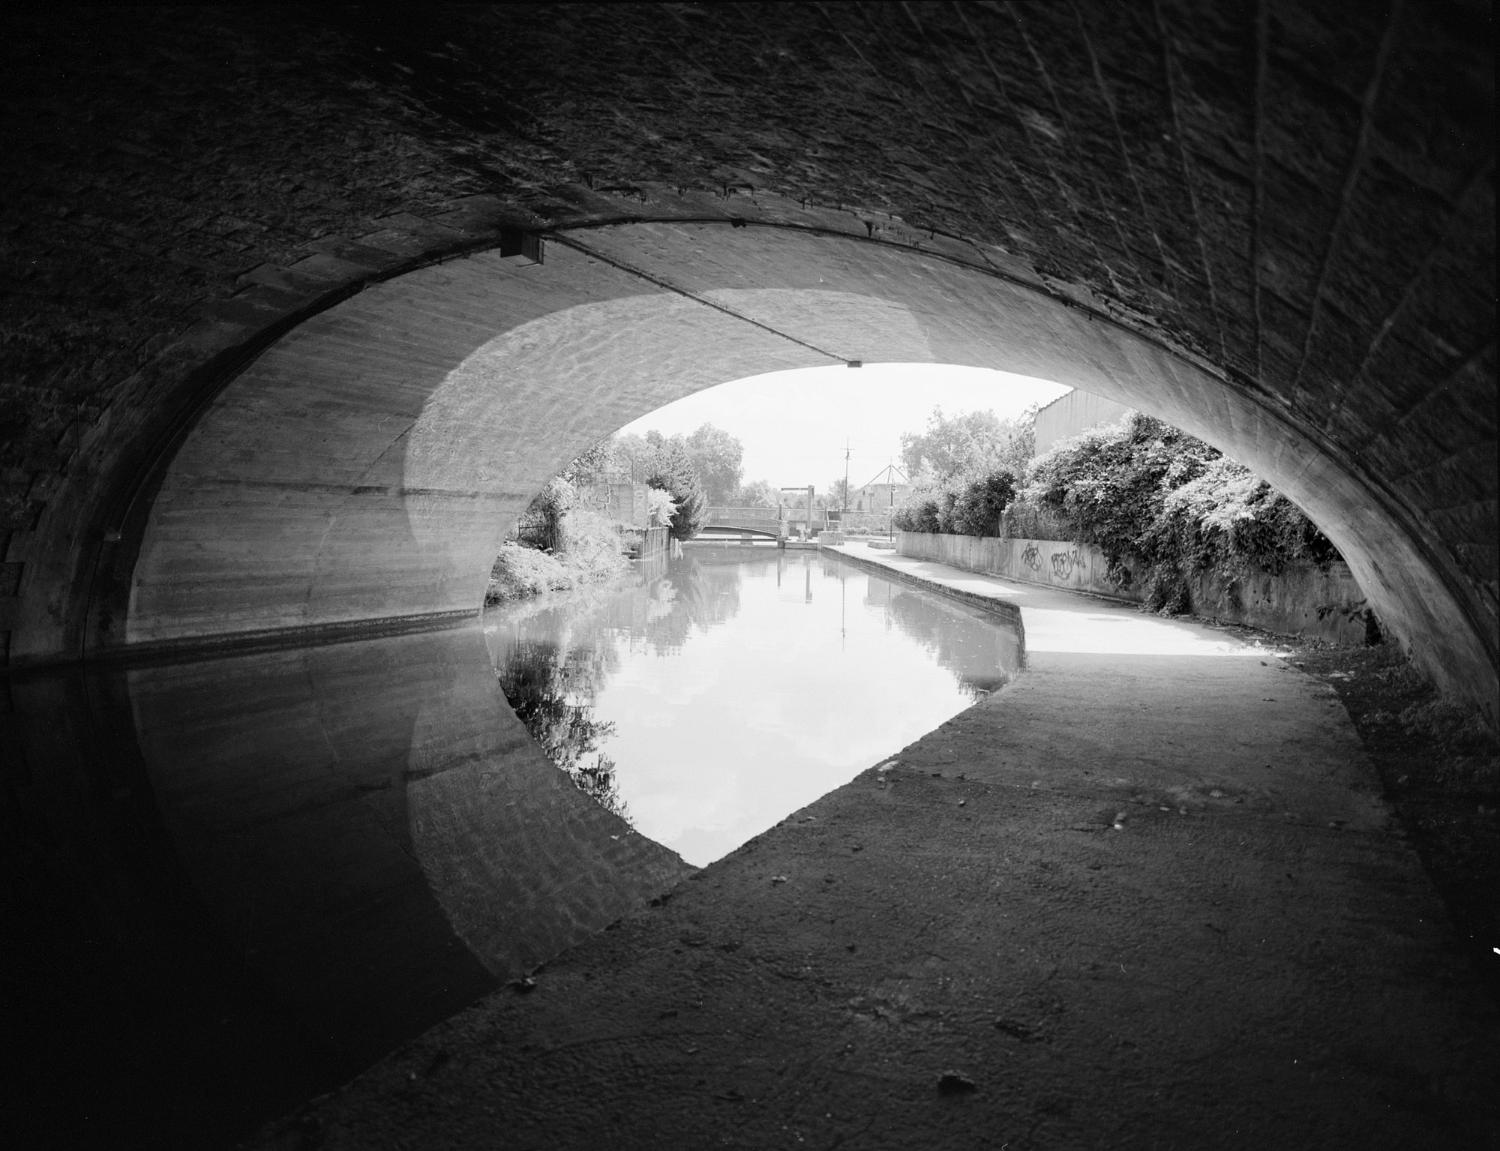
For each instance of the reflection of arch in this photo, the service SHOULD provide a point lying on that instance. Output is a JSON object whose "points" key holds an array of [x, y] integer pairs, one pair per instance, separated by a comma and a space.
{"points": [[363, 468]]}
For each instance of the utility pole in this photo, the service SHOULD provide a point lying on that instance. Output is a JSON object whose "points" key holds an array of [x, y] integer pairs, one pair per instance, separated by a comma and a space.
{"points": [[890, 488], [844, 503]]}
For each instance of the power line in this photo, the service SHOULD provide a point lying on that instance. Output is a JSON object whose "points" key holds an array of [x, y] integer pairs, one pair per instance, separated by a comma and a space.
{"points": [[667, 285]]}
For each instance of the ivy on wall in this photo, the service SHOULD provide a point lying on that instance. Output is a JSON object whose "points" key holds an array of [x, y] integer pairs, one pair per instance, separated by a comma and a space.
{"points": [[1162, 506]]}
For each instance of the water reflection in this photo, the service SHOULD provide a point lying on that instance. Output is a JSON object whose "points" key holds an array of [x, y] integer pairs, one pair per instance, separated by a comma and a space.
{"points": [[718, 693], [547, 686], [234, 883]]}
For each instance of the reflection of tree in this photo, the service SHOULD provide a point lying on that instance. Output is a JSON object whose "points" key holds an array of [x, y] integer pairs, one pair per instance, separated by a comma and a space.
{"points": [[691, 595], [552, 688], [553, 658], [975, 652]]}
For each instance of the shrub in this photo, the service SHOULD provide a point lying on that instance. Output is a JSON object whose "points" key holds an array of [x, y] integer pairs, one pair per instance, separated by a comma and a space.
{"points": [[978, 506], [660, 507], [1150, 496], [587, 549], [959, 506], [540, 524], [921, 515]]}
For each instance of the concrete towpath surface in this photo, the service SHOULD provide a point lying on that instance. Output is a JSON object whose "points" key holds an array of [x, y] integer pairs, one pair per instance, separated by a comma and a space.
{"points": [[1145, 896]]}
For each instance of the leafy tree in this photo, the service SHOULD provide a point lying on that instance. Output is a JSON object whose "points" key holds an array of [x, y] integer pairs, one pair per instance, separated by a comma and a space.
{"points": [[838, 493], [716, 457], [977, 507], [672, 470], [630, 457], [757, 494], [967, 446], [592, 466]]}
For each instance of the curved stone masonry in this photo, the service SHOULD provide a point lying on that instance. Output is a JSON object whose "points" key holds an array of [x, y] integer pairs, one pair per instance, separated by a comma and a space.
{"points": [[363, 467], [1297, 198]]}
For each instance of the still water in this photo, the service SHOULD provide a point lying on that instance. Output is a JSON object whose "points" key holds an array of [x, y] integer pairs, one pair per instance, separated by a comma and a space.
{"points": [[720, 691], [228, 884]]}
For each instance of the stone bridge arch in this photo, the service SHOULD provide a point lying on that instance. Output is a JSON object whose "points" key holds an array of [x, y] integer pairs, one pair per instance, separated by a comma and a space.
{"points": [[360, 471], [263, 306]]}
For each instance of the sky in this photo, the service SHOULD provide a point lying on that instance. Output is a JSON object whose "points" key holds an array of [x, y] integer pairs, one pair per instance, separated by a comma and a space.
{"points": [[794, 424]]}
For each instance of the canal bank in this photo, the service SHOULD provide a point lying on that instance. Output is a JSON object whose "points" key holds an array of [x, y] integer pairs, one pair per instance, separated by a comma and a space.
{"points": [[1145, 896]]}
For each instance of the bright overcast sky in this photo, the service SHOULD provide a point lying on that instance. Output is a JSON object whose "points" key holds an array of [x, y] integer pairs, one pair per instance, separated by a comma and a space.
{"points": [[793, 424]]}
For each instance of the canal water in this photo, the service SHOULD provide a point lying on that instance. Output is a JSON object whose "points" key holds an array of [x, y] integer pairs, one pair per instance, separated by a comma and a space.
{"points": [[722, 690], [232, 883]]}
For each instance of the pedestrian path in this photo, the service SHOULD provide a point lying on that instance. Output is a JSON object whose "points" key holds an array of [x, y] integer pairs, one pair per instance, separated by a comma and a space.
{"points": [[1062, 621]]}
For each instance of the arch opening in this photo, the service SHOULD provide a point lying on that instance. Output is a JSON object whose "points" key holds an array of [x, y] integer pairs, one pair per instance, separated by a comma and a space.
{"points": [[363, 468]]}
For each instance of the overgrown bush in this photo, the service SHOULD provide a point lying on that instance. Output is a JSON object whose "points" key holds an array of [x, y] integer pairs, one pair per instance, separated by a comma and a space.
{"points": [[921, 515], [584, 548], [960, 507], [660, 508], [590, 544], [978, 506], [1154, 499], [540, 525]]}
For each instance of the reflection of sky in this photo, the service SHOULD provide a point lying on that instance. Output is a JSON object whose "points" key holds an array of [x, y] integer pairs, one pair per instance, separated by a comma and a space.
{"points": [[755, 714]]}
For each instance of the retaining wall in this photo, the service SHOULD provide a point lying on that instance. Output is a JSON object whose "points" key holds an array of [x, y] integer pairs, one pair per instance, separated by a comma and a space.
{"points": [[1303, 601]]}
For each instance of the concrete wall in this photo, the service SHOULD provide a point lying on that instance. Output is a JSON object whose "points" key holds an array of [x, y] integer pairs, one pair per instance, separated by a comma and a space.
{"points": [[1073, 413], [1300, 601]]}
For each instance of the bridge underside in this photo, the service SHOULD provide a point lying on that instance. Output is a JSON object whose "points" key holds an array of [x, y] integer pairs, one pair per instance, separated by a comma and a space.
{"points": [[283, 362]]}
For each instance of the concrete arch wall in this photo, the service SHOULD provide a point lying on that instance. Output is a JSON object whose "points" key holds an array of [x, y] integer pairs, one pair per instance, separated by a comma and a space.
{"points": [[1296, 198], [363, 468]]}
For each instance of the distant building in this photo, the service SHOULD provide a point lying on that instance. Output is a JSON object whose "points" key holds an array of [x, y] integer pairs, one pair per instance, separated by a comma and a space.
{"points": [[887, 490], [870, 506], [1075, 412]]}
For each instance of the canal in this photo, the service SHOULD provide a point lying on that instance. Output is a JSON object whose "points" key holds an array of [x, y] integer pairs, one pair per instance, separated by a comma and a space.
{"points": [[719, 691], [234, 882]]}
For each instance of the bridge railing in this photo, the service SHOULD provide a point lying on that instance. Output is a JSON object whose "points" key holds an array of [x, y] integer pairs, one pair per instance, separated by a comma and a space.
{"points": [[734, 517]]}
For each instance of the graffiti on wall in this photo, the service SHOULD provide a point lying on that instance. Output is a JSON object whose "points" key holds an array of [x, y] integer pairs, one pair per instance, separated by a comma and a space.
{"points": [[1032, 558], [1064, 563]]}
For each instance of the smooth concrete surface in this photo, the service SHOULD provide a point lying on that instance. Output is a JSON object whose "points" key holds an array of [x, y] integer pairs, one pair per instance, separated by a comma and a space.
{"points": [[1146, 896]]}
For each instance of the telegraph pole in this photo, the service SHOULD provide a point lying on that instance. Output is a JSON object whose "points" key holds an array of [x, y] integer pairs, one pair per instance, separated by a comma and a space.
{"points": [[844, 503]]}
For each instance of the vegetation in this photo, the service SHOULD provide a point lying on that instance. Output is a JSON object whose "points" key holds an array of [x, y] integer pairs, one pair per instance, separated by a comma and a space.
{"points": [[559, 546], [563, 545], [677, 465], [672, 471], [716, 457], [956, 450], [965, 471], [1163, 506], [756, 494], [543, 682]]}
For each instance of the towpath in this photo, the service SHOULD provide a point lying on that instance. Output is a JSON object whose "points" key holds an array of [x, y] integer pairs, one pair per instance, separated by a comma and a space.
{"points": [[1145, 896]]}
